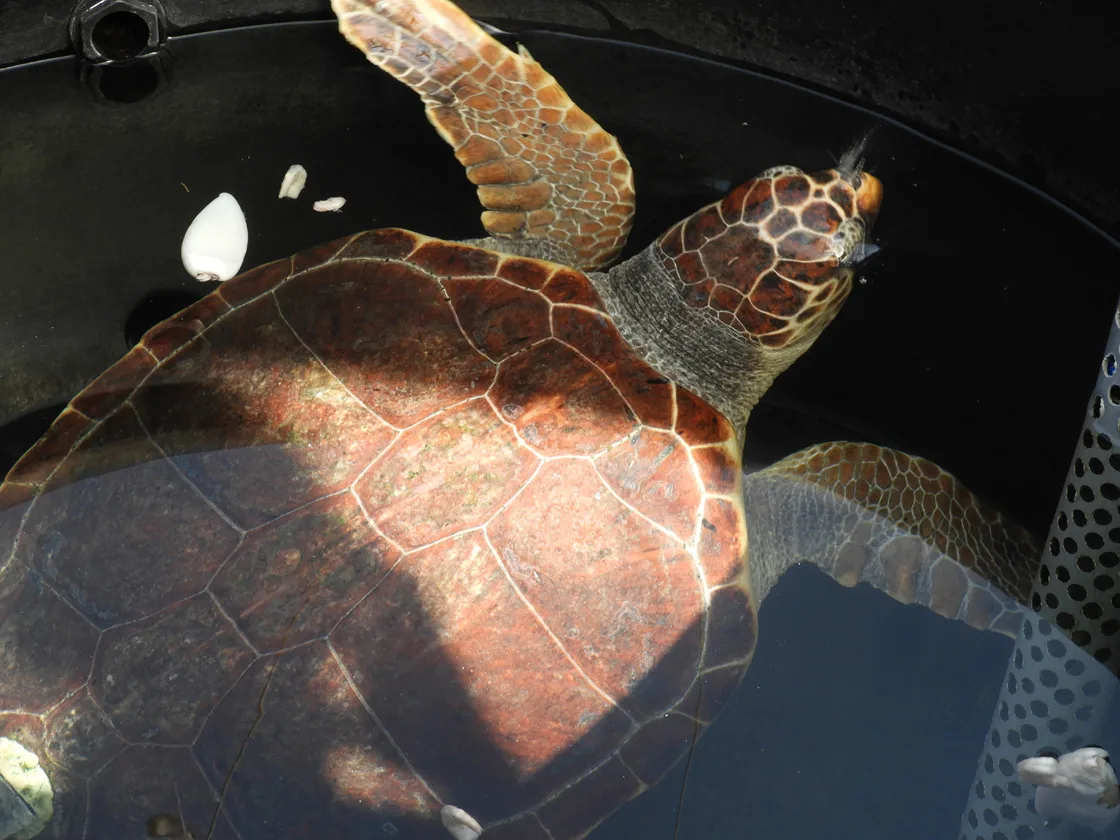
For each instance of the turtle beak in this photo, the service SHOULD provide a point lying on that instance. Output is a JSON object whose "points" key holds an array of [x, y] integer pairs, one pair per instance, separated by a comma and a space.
{"points": [[869, 195]]}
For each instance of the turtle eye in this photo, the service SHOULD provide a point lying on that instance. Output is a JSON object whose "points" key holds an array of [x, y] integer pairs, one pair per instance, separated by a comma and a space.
{"points": [[1048, 752]]}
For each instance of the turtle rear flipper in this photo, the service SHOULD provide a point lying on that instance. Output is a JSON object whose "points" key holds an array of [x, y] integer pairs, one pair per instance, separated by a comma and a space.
{"points": [[554, 184], [867, 513]]}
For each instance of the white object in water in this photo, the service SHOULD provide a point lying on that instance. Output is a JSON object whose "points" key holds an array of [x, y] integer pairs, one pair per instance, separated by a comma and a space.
{"points": [[330, 205], [294, 181], [1079, 786], [461, 824], [215, 243], [27, 800]]}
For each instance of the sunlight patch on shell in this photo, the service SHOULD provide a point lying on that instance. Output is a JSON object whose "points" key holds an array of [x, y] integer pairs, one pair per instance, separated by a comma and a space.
{"points": [[460, 824], [330, 205], [215, 243], [295, 179]]}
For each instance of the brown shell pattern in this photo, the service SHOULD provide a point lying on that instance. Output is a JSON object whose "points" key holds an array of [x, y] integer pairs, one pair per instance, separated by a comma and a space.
{"points": [[762, 258], [393, 523]]}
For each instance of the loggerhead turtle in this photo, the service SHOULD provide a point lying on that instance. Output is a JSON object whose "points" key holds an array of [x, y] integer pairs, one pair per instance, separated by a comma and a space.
{"points": [[402, 537]]}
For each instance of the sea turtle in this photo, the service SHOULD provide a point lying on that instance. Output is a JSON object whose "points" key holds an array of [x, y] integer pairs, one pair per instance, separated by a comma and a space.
{"points": [[402, 536]]}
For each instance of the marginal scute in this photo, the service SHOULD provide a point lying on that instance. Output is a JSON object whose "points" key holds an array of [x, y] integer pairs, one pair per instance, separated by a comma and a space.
{"points": [[527, 273], [447, 259], [732, 627], [656, 748], [385, 244], [255, 282], [592, 799], [698, 423], [567, 286], [722, 548], [711, 692], [45, 456]]}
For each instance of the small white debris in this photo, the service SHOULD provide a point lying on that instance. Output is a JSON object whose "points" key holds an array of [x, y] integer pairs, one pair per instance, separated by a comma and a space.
{"points": [[295, 179], [461, 824], [329, 205], [1079, 786], [215, 243]]}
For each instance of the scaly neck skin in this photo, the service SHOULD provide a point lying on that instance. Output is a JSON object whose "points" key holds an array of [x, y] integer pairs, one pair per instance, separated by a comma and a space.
{"points": [[687, 344]]}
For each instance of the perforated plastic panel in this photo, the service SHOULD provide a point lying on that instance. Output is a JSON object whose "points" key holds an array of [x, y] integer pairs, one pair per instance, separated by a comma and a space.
{"points": [[1061, 678]]}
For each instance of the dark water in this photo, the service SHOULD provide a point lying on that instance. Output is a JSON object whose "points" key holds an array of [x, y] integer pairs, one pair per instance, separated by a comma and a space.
{"points": [[974, 342]]}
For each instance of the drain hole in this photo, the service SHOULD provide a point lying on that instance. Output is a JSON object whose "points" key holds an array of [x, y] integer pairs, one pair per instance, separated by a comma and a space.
{"points": [[120, 36]]}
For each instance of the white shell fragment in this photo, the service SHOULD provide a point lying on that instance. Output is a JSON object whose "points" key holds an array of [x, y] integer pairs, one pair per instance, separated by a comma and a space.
{"points": [[330, 205], [215, 243], [295, 179], [26, 797], [1079, 786], [459, 823]]}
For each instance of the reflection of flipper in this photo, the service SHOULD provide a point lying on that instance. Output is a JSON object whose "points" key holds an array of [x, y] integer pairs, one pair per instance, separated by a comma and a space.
{"points": [[554, 184], [865, 513]]}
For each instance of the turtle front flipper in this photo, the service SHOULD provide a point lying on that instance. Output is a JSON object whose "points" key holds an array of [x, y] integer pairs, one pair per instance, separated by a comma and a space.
{"points": [[554, 184], [866, 513]]}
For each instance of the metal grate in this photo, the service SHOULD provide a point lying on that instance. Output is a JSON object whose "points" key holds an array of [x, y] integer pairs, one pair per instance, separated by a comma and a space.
{"points": [[1061, 678]]}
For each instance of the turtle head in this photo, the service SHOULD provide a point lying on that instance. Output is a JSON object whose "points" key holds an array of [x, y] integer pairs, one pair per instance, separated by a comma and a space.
{"points": [[774, 260]]}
